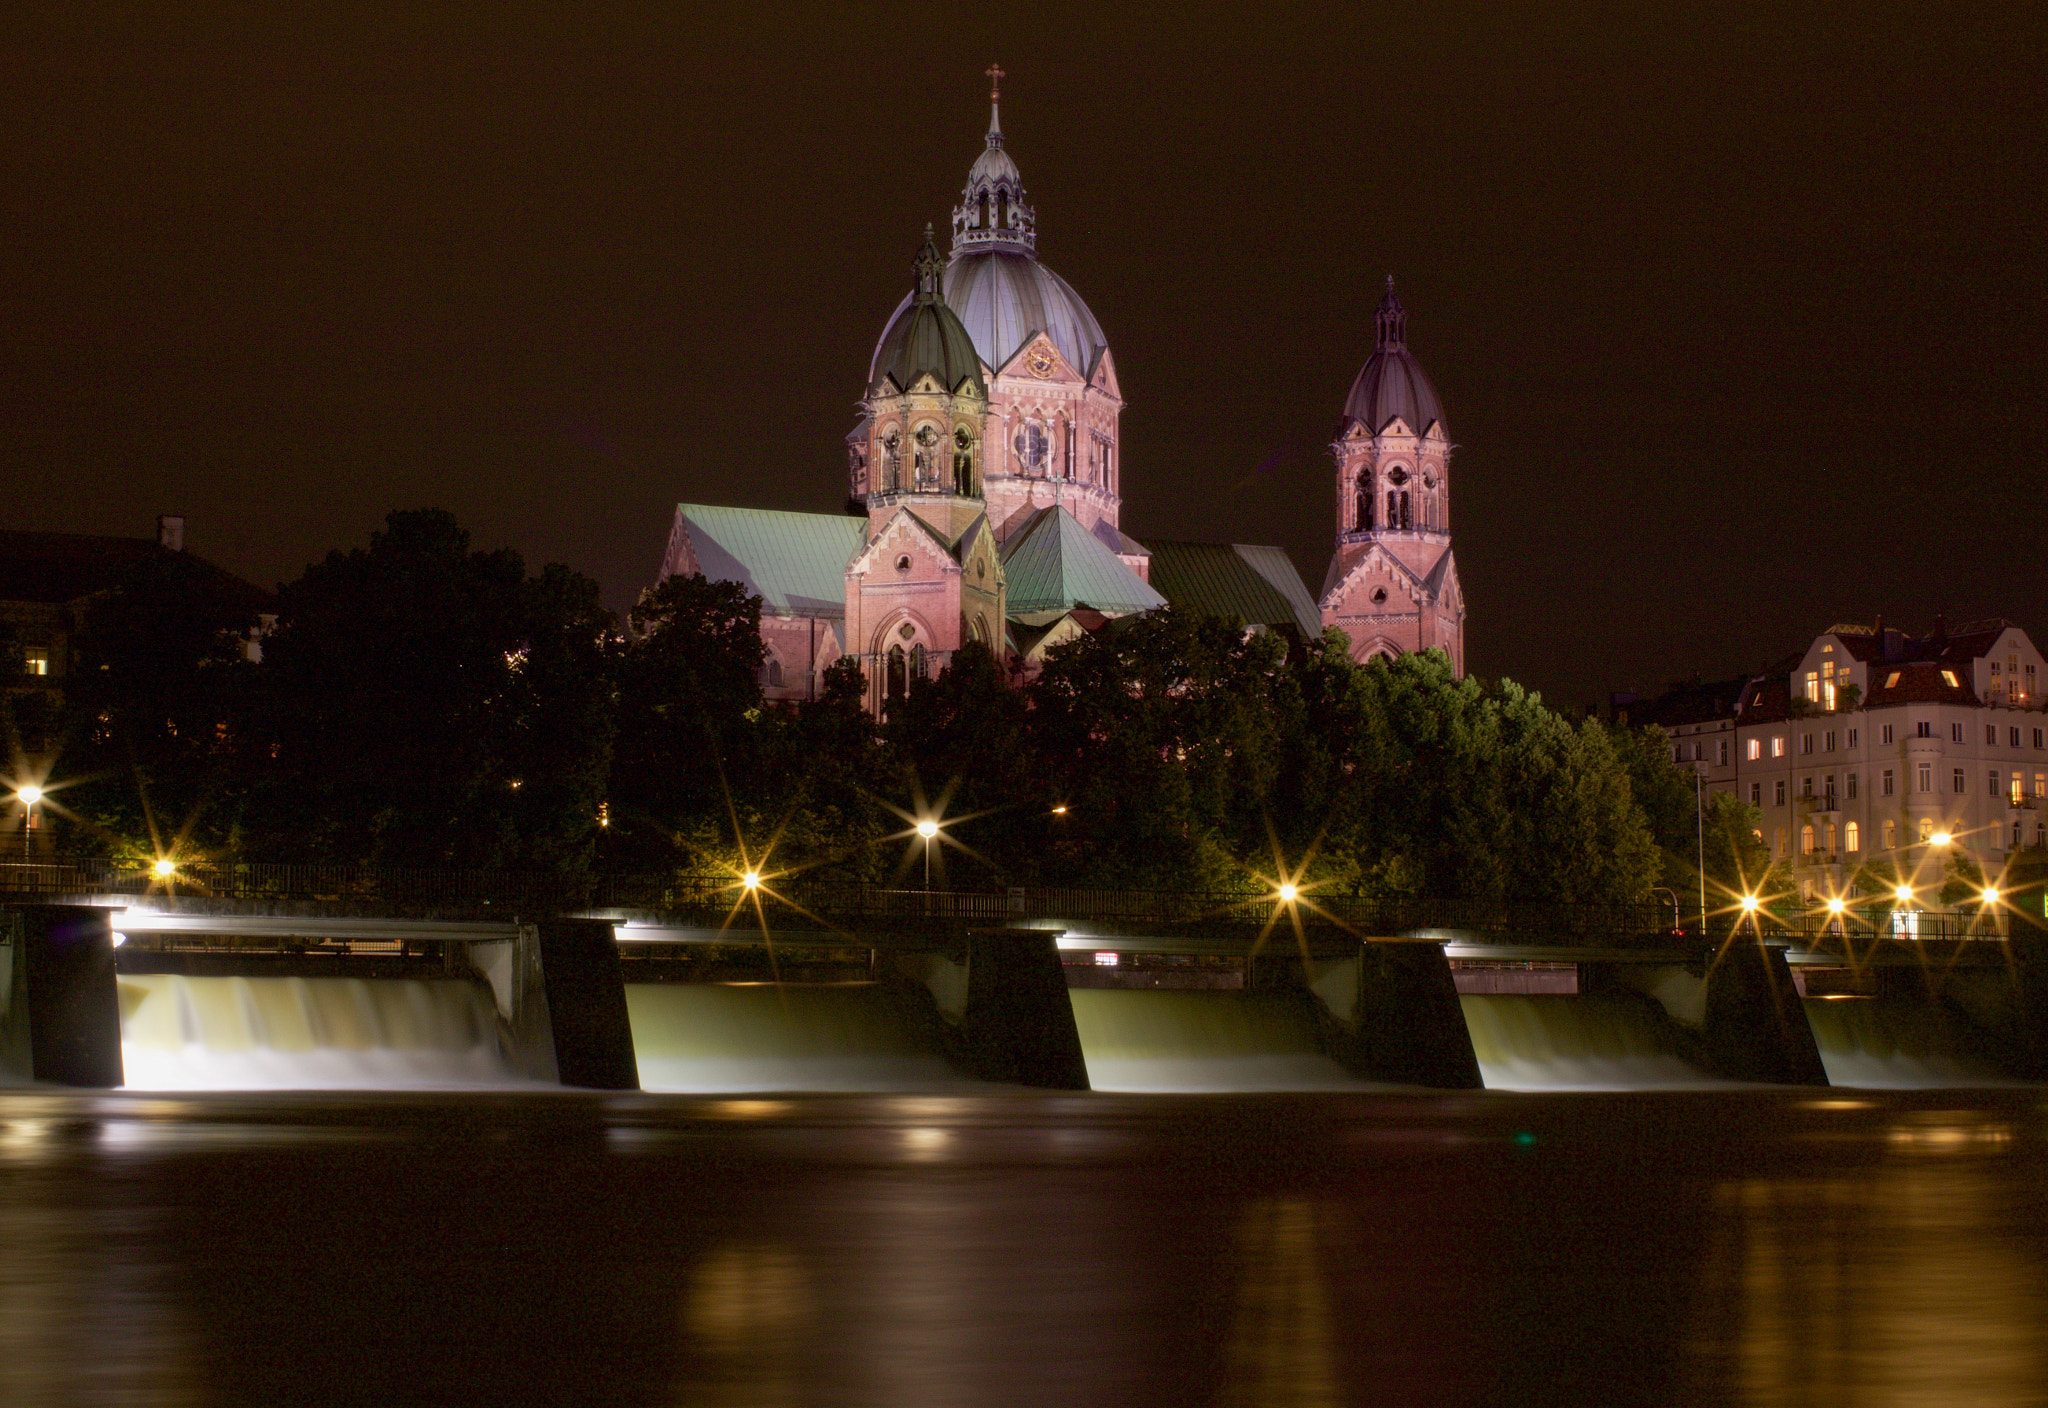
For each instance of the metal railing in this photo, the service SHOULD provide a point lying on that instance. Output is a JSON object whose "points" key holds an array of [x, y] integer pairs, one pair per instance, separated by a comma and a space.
{"points": [[718, 899]]}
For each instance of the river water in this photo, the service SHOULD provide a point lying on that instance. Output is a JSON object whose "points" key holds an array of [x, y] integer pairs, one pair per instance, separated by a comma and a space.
{"points": [[1690, 1248]]}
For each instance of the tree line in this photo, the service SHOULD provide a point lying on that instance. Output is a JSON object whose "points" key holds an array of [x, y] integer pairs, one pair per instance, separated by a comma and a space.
{"points": [[420, 702]]}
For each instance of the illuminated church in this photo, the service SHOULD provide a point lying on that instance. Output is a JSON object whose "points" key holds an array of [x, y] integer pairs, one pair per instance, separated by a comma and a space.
{"points": [[984, 490]]}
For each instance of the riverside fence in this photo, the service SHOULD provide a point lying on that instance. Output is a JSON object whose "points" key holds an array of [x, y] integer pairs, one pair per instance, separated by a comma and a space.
{"points": [[791, 901]]}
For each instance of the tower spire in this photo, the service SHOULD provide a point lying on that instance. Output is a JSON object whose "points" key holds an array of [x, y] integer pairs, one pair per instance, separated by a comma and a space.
{"points": [[1391, 321], [930, 267], [992, 209]]}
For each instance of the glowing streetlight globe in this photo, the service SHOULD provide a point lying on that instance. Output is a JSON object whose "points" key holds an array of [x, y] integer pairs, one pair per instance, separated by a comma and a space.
{"points": [[751, 879], [927, 829], [1990, 894], [1287, 893], [1941, 838], [30, 795], [1750, 903], [1836, 906], [164, 867], [1903, 892]]}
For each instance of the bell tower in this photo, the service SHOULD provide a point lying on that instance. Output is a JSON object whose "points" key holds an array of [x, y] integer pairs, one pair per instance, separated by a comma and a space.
{"points": [[1393, 585]]}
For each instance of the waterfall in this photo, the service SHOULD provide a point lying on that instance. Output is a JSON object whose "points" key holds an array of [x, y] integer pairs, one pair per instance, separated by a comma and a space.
{"points": [[1203, 1041], [180, 1033], [1586, 1042], [1895, 1043], [766, 1036]]}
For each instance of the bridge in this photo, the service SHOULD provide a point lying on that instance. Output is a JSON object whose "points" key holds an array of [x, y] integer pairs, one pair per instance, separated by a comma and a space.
{"points": [[989, 973]]}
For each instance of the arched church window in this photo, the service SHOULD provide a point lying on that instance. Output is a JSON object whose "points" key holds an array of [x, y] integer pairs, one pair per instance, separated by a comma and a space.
{"points": [[917, 661], [1002, 208], [1362, 509], [981, 216], [1379, 596], [898, 680], [1031, 446], [903, 563], [1399, 518], [963, 462], [892, 460], [927, 457], [857, 469], [1070, 452], [772, 673]]}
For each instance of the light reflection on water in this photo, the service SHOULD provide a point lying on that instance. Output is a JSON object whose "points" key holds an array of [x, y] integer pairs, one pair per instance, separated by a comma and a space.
{"points": [[1698, 1249]]}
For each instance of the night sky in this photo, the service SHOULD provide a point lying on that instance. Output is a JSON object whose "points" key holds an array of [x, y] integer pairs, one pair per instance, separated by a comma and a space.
{"points": [[1736, 309]]}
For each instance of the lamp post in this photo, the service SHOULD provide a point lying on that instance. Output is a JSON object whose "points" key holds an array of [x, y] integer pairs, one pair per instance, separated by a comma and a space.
{"points": [[28, 796], [928, 829], [1699, 814]]}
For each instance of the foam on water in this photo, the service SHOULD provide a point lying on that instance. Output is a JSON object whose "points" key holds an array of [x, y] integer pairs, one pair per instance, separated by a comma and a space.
{"points": [[1584, 1042], [724, 1037], [180, 1033], [1894, 1044], [1196, 1041]]}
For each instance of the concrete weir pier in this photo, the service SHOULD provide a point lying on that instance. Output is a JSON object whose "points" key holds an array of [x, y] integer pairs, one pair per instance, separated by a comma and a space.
{"points": [[195, 994]]}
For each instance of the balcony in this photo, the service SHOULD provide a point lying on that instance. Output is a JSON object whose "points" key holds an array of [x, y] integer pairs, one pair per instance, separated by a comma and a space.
{"points": [[1819, 802]]}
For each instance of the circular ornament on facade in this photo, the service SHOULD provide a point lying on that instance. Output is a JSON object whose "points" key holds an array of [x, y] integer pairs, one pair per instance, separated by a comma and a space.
{"points": [[903, 565], [1379, 596], [1040, 362]]}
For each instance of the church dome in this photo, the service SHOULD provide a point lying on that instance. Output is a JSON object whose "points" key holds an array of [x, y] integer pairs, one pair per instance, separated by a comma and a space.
{"points": [[925, 336], [1392, 383], [995, 283]]}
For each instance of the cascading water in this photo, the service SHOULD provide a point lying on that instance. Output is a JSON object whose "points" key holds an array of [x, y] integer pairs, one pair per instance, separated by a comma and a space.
{"points": [[1895, 1043], [1585, 1042], [181, 1033], [1203, 1041], [719, 1037]]}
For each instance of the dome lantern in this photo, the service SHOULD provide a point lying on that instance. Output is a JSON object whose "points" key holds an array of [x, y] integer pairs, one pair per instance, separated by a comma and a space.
{"points": [[993, 213]]}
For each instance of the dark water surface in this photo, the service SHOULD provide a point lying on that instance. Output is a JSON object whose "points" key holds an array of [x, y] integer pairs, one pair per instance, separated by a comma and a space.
{"points": [[1754, 1247]]}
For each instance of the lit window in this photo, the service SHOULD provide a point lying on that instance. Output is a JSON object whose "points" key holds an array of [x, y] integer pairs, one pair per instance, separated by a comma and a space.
{"points": [[2041, 784], [1891, 681], [1948, 677], [35, 661], [2019, 788], [1756, 747], [1778, 844], [1891, 835], [1806, 840], [1777, 745], [1926, 828], [1813, 686], [1852, 837]]}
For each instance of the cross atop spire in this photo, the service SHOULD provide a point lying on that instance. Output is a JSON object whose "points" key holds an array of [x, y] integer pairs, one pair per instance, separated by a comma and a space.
{"points": [[995, 82]]}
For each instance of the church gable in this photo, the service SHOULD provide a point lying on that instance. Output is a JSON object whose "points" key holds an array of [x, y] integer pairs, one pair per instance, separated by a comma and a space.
{"points": [[1103, 376], [906, 547], [1040, 360]]}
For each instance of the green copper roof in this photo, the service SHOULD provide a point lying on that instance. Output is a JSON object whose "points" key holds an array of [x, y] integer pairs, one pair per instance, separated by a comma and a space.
{"points": [[795, 562], [1054, 563], [1255, 585]]}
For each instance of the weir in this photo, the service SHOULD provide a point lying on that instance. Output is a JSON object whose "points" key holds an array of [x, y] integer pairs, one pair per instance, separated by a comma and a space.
{"points": [[212, 994]]}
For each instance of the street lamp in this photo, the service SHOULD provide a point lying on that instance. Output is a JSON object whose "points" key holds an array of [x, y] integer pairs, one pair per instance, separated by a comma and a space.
{"points": [[928, 829], [1287, 894], [165, 869], [1941, 838], [28, 797], [752, 879]]}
